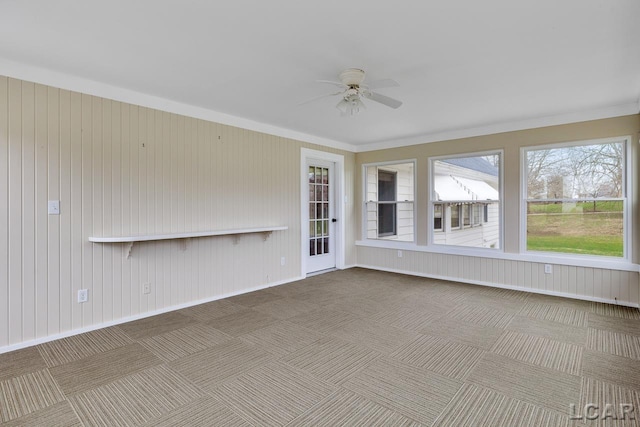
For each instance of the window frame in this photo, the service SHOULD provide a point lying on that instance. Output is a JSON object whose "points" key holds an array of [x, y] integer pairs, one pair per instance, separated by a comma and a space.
{"points": [[363, 228], [431, 202], [627, 182], [394, 204]]}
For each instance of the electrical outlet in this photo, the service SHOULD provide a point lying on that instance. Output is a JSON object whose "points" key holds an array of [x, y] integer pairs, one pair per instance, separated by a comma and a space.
{"points": [[399, 254], [283, 261], [548, 269], [53, 207], [146, 288], [83, 295]]}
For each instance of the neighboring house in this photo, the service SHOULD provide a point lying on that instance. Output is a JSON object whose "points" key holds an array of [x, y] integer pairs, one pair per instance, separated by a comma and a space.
{"points": [[390, 202], [466, 202]]}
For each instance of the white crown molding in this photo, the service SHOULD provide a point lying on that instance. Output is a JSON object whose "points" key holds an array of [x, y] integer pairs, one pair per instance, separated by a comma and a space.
{"points": [[537, 122], [91, 87]]}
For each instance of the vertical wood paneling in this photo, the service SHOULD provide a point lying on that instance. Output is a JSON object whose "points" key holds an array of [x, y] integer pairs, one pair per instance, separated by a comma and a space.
{"points": [[28, 211], [53, 221], [4, 210], [97, 207], [15, 212], [125, 197], [76, 207], [569, 280], [107, 219], [86, 210], [41, 220], [116, 208], [66, 210]]}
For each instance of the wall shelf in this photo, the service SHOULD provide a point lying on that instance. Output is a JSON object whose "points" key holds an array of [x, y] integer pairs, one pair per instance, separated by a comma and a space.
{"points": [[236, 233]]}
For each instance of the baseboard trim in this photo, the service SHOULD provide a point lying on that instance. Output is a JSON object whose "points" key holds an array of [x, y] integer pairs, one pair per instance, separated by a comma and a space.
{"points": [[495, 285], [31, 343]]}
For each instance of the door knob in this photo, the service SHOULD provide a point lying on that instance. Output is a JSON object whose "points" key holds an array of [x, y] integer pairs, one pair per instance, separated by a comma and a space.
{"points": [[334, 220]]}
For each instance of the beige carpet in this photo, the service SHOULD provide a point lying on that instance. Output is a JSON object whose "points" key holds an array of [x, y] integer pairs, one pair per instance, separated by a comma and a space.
{"points": [[354, 347]]}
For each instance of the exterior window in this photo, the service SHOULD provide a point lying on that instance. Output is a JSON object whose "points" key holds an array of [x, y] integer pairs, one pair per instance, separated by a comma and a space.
{"points": [[468, 189], [467, 215], [455, 216], [477, 214], [576, 198], [389, 210], [437, 217]]}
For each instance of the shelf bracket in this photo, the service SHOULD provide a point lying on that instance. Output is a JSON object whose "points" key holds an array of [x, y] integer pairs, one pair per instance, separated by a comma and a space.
{"points": [[236, 238], [184, 243], [266, 235], [128, 247]]}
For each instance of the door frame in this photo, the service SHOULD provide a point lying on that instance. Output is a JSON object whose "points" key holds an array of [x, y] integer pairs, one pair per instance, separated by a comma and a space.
{"points": [[307, 154]]}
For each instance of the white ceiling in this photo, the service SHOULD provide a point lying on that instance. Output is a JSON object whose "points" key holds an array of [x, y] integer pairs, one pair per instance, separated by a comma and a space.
{"points": [[465, 67]]}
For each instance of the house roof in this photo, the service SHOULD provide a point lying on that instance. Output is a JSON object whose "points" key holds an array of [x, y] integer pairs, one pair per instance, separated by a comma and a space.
{"points": [[477, 164], [465, 68], [457, 189]]}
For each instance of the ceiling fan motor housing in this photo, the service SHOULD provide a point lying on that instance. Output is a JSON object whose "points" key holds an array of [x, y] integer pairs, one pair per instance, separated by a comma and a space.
{"points": [[352, 77]]}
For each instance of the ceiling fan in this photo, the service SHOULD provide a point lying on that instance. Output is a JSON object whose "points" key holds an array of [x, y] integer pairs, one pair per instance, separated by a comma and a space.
{"points": [[352, 90]]}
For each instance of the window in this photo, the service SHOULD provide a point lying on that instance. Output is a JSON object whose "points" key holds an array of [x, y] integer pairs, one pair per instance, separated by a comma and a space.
{"points": [[387, 211], [437, 216], [477, 214], [465, 194], [467, 215], [389, 200], [455, 216], [576, 198]]}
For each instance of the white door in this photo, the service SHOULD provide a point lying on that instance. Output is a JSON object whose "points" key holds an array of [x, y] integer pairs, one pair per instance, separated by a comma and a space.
{"points": [[320, 218]]}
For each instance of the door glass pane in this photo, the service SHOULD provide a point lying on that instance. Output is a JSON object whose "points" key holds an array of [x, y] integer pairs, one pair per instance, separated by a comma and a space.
{"points": [[318, 210]]}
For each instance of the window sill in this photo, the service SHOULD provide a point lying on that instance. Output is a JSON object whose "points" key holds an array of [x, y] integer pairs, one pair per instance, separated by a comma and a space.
{"points": [[546, 258]]}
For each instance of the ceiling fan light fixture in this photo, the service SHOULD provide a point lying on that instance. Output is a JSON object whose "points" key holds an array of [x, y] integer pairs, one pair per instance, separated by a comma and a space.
{"points": [[350, 105]]}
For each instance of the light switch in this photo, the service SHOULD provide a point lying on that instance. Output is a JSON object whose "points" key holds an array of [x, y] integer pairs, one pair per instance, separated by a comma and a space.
{"points": [[54, 207]]}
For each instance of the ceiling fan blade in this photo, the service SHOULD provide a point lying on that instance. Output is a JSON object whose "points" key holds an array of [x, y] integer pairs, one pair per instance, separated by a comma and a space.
{"points": [[317, 98], [382, 99], [381, 84], [332, 83]]}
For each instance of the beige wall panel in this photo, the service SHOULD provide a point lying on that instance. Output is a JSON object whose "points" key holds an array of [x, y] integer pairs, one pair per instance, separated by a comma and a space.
{"points": [[582, 282], [41, 200], [190, 175], [14, 262], [4, 209], [53, 221], [28, 210]]}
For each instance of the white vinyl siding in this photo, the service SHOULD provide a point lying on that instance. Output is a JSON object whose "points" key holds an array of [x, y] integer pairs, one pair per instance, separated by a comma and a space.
{"points": [[404, 175]]}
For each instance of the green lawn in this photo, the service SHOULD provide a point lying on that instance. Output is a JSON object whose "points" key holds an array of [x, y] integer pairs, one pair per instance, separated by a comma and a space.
{"points": [[589, 233], [587, 245]]}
